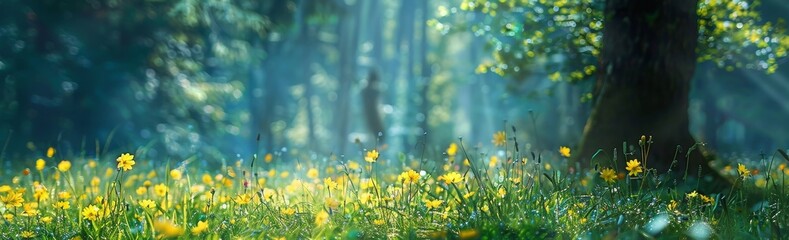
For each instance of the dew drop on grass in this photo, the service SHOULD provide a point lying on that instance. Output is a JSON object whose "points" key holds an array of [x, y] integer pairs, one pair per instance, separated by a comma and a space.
{"points": [[657, 224], [699, 230]]}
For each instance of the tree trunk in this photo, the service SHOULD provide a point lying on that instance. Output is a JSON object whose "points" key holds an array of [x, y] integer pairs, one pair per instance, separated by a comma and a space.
{"points": [[306, 75], [409, 122], [645, 68], [348, 45], [425, 70]]}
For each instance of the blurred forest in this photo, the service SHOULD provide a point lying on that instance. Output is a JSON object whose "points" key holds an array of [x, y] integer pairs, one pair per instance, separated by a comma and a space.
{"points": [[203, 78]]}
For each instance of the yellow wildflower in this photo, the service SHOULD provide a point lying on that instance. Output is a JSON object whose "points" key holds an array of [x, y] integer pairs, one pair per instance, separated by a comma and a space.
{"points": [[760, 183], [502, 192], [493, 161], [207, 180], [30, 209], [50, 152], [125, 162], [63, 205], [160, 190], [515, 181], [408, 177], [200, 228], [40, 164], [141, 190], [321, 218], [367, 183], [268, 193], [91, 213], [706, 199], [13, 199], [232, 173], [432, 204], [167, 229], [564, 151], [175, 174], [268, 158], [634, 167], [365, 198], [743, 171], [469, 194], [95, 181], [243, 198], [288, 211], [313, 173], [64, 165], [608, 174], [353, 165], [27, 234], [147, 204], [452, 149], [468, 234], [46, 220], [330, 184], [332, 203], [379, 222], [451, 177], [672, 205], [40, 193], [499, 138], [371, 156], [692, 194]]}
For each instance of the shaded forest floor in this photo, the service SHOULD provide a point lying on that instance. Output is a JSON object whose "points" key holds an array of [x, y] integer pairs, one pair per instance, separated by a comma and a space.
{"points": [[458, 194]]}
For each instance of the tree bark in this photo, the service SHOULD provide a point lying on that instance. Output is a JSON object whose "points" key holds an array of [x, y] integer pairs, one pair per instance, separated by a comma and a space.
{"points": [[646, 64]]}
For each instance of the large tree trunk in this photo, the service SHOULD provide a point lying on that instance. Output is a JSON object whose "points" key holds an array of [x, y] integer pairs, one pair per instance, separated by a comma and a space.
{"points": [[645, 69]]}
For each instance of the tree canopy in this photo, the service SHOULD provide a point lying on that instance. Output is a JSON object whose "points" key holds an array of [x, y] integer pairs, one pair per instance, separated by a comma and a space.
{"points": [[565, 35]]}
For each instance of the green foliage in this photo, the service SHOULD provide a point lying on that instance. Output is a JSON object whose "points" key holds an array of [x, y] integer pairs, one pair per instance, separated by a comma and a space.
{"points": [[564, 36], [733, 35]]}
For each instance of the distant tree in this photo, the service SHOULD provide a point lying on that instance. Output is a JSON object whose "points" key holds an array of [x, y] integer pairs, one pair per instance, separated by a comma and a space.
{"points": [[642, 55], [154, 70]]}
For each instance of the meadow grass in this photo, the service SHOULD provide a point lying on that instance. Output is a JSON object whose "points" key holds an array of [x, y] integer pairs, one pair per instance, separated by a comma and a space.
{"points": [[489, 192]]}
